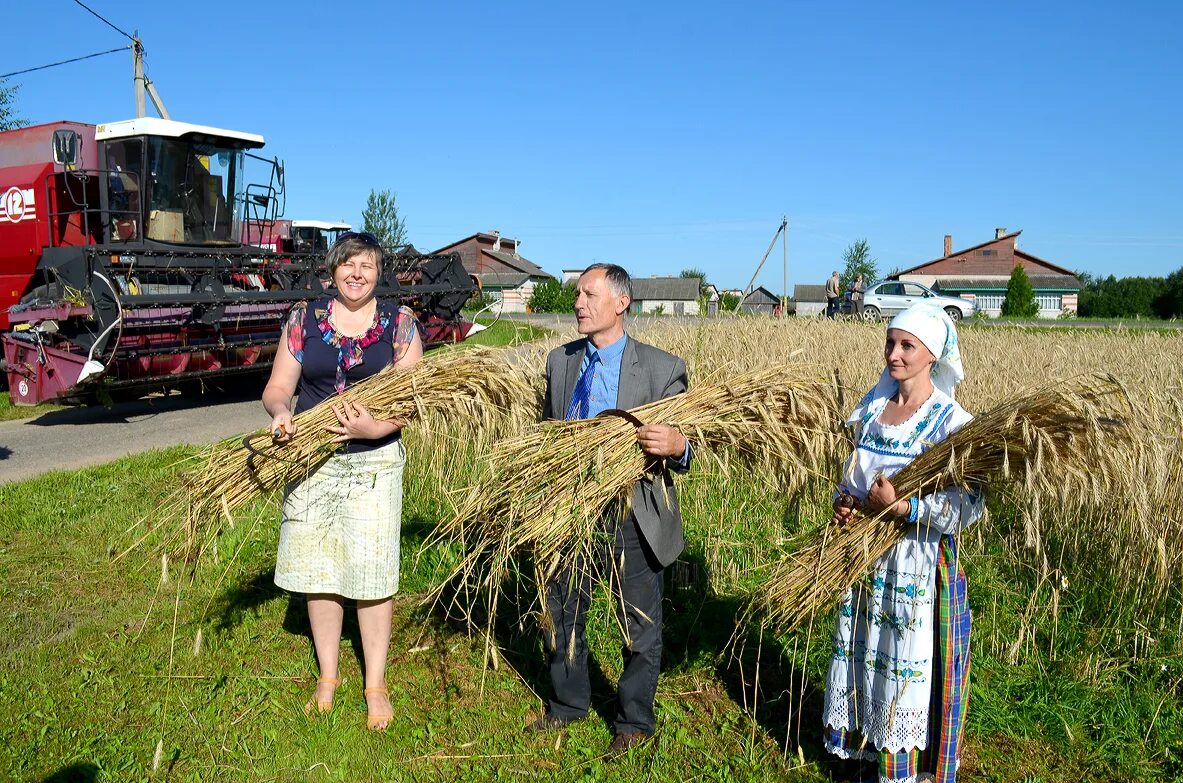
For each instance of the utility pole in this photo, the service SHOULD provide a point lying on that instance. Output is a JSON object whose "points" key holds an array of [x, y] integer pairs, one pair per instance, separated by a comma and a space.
{"points": [[784, 295], [144, 84], [784, 224]]}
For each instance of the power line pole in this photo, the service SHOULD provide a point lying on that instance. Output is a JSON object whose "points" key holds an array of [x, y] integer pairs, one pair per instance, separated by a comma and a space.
{"points": [[784, 223], [784, 296]]}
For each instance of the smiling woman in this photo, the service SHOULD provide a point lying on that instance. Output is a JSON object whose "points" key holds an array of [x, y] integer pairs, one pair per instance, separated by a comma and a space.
{"points": [[340, 533]]}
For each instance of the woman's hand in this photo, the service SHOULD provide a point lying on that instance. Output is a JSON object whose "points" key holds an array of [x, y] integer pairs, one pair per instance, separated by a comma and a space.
{"points": [[356, 422], [844, 508], [882, 495], [282, 426]]}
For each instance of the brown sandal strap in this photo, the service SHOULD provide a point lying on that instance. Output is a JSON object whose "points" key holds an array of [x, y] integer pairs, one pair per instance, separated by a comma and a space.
{"points": [[382, 690]]}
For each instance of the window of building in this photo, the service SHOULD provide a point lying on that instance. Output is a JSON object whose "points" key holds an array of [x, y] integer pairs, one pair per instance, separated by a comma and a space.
{"points": [[987, 252], [1050, 302], [990, 301]]}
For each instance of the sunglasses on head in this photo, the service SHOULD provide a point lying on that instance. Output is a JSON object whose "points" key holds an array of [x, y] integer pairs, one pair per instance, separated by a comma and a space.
{"points": [[364, 236]]}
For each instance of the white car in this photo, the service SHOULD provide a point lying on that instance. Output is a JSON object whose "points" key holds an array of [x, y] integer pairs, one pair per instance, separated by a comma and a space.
{"points": [[885, 299]]}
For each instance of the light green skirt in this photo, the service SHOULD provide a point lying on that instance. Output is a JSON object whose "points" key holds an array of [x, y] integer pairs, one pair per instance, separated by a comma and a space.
{"points": [[341, 526]]}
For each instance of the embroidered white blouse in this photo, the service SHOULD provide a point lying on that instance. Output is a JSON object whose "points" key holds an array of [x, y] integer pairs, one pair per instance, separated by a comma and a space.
{"points": [[880, 677]]}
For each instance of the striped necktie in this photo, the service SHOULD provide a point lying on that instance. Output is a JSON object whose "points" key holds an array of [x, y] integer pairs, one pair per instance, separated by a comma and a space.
{"points": [[581, 398]]}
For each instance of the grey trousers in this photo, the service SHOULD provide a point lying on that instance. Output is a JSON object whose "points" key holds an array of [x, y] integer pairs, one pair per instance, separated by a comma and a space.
{"points": [[636, 580]]}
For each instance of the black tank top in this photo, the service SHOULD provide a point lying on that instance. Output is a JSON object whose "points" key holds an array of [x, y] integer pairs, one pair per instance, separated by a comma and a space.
{"points": [[318, 372]]}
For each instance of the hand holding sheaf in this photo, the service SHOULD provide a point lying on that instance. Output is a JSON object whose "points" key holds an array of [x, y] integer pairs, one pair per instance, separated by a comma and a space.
{"points": [[661, 440], [356, 422], [882, 495]]}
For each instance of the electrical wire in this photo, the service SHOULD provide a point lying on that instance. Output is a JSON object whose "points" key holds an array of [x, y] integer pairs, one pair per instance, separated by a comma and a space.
{"points": [[63, 62], [104, 21]]}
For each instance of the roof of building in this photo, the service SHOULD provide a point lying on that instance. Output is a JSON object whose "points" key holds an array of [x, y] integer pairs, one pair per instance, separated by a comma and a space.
{"points": [[517, 262], [761, 295], [809, 293], [1038, 282], [966, 251], [502, 279], [668, 288]]}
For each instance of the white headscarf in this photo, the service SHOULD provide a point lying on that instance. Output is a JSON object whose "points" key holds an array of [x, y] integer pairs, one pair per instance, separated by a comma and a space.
{"points": [[932, 326]]}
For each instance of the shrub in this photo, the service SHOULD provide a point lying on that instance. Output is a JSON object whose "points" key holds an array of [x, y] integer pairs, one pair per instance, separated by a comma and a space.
{"points": [[1020, 296], [479, 301], [551, 296]]}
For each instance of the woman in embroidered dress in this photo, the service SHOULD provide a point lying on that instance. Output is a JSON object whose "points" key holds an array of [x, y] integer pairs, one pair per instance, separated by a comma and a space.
{"points": [[898, 681], [340, 532]]}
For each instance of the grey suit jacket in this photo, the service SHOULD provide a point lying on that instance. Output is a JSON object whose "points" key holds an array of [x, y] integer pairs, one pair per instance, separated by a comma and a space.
{"points": [[647, 374]]}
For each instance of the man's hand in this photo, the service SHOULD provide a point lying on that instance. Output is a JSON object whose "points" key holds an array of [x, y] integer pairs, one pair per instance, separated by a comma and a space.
{"points": [[660, 440], [358, 423]]}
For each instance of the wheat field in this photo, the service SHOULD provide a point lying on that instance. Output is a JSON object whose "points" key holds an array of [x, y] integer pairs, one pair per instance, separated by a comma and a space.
{"points": [[741, 527]]}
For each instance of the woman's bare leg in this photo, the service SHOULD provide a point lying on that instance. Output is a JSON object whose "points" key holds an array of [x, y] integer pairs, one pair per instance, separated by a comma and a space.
{"points": [[326, 612], [374, 620]]}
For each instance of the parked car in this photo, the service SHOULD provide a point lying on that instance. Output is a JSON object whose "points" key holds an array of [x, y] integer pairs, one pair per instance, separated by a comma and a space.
{"points": [[885, 299]]}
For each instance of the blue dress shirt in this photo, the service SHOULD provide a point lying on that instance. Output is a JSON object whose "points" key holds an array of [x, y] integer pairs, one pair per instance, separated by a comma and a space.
{"points": [[605, 385]]}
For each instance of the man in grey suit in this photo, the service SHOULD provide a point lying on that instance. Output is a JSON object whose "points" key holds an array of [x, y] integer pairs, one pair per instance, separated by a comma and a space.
{"points": [[604, 370]]}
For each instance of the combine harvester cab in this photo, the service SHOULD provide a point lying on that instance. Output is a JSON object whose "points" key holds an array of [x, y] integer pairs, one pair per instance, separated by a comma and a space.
{"points": [[122, 265]]}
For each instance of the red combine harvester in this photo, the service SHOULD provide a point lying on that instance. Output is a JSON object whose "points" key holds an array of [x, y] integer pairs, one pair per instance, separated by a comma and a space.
{"points": [[122, 265]]}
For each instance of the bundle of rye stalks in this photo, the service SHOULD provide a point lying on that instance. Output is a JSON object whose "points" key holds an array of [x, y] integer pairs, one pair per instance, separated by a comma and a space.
{"points": [[469, 394], [546, 493], [1073, 444]]}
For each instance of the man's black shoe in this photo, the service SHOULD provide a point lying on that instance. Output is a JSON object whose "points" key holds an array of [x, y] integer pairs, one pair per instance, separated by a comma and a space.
{"points": [[548, 722], [624, 741]]}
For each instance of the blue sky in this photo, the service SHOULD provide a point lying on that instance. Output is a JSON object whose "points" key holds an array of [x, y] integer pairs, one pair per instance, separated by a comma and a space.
{"points": [[664, 136]]}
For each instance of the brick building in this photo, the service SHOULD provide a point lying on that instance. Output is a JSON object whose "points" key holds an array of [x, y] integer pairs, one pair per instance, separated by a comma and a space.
{"points": [[981, 272], [501, 270]]}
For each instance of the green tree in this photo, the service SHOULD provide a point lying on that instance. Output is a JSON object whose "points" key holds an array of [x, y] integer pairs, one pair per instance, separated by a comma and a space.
{"points": [[858, 261], [8, 115], [1169, 303], [1019, 301], [551, 296], [694, 272], [1121, 297], [381, 218], [728, 302]]}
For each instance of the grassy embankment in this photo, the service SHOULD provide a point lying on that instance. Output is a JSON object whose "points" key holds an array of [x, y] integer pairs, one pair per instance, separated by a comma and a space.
{"points": [[1070, 682]]}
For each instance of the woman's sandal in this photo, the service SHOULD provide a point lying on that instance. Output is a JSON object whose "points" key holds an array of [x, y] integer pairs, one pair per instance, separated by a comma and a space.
{"points": [[316, 705], [377, 721]]}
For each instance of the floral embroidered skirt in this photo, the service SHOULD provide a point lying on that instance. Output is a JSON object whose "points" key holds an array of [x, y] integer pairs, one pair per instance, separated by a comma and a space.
{"points": [[341, 526]]}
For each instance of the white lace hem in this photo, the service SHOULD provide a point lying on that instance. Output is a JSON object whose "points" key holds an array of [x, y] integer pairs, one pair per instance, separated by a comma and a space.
{"points": [[885, 727]]}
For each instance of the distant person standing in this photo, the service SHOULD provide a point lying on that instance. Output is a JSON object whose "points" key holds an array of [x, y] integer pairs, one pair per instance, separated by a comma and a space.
{"points": [[833, 290], [856, 297]]}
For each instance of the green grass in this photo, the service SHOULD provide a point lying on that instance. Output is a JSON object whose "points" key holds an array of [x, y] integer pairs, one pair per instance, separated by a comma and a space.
{"points": [[505, 331], [10, 412], [85, 684]]}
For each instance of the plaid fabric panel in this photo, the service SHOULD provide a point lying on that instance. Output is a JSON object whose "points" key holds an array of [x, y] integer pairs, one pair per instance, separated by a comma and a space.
{"points": [[953, 658], [902, 766]]}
